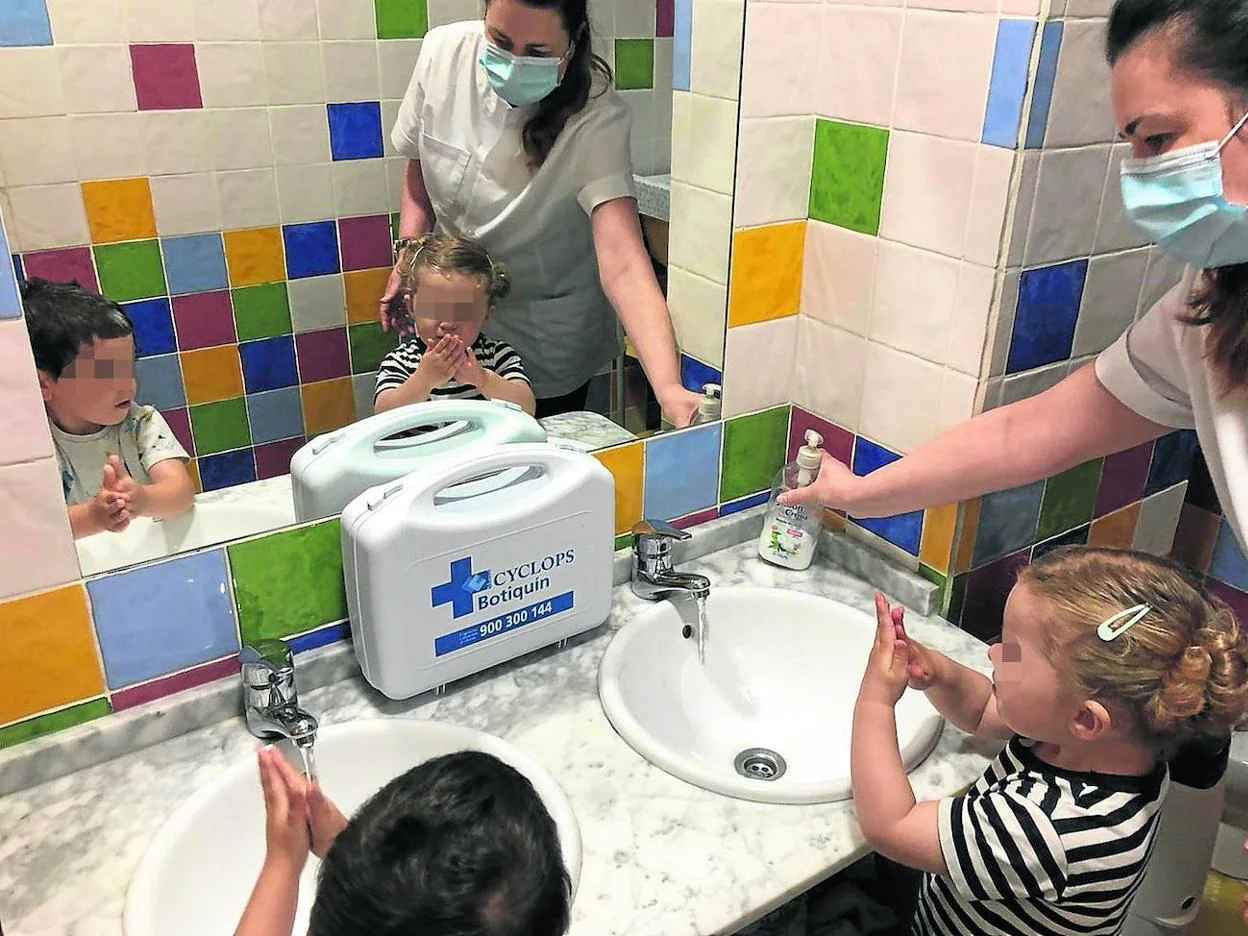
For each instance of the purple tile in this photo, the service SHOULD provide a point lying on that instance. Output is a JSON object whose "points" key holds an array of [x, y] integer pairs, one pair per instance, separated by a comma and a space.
{"points": [[1123, 479], [837, 442], [273, 458], [63, 265], [165, 76], [1194, 537], [693, 519], [168, 685], [322, 355], [204, 320], [1237, 599], [365, 242], [665, 18], [180, 423], [986, 590]]}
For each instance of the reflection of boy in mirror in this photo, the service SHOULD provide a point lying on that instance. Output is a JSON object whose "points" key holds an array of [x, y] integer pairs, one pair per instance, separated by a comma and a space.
{"points": [[118, 459], [450, 286]]}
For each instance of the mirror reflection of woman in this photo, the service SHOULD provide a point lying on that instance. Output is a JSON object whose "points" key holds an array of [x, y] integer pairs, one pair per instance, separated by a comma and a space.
{"points": [[515, 139]]}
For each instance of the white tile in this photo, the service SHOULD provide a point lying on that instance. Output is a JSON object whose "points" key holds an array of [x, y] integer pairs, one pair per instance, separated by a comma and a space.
{"points": [[927, 192], [362, 386], [294, 72], [317, 302], [701, 230], [45, 216], [36, 547], [443, 12], [248, 198], [396, 172], [663, 54], [227, 20], [972, 312], [398, 61], [634, 19], [641, 132], [300, 134], [822, 351], [26, 436], [990, 195], [1080, 111], [1111, 296], [77, 23], [715, 56], [914, 296], [1159, 517], [239, 138], [37, 151], [360, 187], [1024, 206], [105, 144], [288, 20], [758, 366], [939, 92], [1164, 271], [699, 309], [346, 19], [957, 400], [864, 43], [1068, 192], [956, 6], [1086, 8], [305, 193], [185, 204], [896, 381], [773, 170], [98, 78], [389, 116], [231, 74], [1024, 7], [683, 144], [351, 71], [1113, 230], [176, 141], [1028, 383], [838, 276], [30, 83], [776, 79], [159, 20], [1001, 324]]}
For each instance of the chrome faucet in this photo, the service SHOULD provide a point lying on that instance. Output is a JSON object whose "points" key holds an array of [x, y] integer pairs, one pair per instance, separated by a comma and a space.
{"points": [[270, 699], [653, 576]]}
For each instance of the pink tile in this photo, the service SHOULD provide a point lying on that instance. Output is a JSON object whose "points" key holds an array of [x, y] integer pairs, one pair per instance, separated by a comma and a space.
{"points": [[273, 458], [180, 423], [837, 442], [25, 435], [168, 685], [365, 242], [693, 519], [36, 548], [323, 355], [665, 17], [203, 320], [63, 265], [165, 76]]}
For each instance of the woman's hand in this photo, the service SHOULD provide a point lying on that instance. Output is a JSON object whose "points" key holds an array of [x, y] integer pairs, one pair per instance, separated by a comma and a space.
{"points": [[832, 487], [439, 363], [393, 285], [888, 666], [679, 405]]}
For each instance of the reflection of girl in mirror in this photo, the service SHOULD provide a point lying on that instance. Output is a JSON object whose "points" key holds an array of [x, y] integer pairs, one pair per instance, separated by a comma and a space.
{"points": [[449, 288], [515, 138]]}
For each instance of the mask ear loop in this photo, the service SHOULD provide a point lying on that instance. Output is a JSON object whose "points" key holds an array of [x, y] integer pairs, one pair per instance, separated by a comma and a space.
{"points": [[1106, 630], [1234, 130]]}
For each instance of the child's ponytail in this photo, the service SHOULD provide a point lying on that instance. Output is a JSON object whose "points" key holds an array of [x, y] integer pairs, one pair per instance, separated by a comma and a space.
{"points": [[1206, 690]]}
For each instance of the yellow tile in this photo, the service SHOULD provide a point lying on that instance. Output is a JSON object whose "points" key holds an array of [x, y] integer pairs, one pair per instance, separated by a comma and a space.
{"points": [[47, 653], [766, 278], [193, 468], [936, 546], [119, 210], [834, 520], [626, 466], [1116, 529], [212, 374], [255, 256], [364, 289], [966, 538], [327, 405]]}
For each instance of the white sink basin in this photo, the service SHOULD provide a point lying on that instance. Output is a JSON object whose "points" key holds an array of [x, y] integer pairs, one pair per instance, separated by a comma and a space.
{"points": [[781, 674], [196, 876]]}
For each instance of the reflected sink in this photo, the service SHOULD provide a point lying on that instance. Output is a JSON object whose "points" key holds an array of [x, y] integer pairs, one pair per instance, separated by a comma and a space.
{"points": [[195, 877], [781, 675]]}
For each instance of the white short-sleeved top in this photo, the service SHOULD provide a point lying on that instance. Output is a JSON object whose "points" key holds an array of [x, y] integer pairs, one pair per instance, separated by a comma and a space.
{"points": [[1159, 369], [142, 439], [537, 224]]}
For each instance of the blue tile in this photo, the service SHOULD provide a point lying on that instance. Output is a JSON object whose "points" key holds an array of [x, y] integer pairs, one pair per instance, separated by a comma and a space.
{"points": [[355, 130], [311, 249], [1229, 564], [1046, 72], [153, 327], [1174, 454], [10, 278], [319, 638], [277, 414], [868, 456], [902, 530], [1009, 82], [694, 374], [194, 264], [1045, 317], [25, 23], [682, 44], [227, 469], [682, 472], [131, 611], [18, 270], [160, 381], [1007, 522], [269, 363], [745, 503]]}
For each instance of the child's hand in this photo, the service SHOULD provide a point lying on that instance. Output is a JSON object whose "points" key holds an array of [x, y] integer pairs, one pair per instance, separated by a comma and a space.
{"points": [[887, 667], [439, 363], [325, 820], [286, 812], [117, 479], [470, 371], [110, 511], [925, 669]]}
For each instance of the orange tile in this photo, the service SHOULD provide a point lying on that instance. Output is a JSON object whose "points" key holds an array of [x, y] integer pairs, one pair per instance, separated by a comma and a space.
{"points": [[212, 374], [192, 468], [1116, 529], [47, 653], [766, 278], [327, 405], [626, 465], [119, 210], [966, 538], [833, 520], [936, 546], [255, 256], [364, 289]]}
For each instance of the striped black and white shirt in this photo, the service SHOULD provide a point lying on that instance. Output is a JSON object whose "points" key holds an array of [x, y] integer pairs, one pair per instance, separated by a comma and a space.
{"points": [[1034, 849], [401, 363]]}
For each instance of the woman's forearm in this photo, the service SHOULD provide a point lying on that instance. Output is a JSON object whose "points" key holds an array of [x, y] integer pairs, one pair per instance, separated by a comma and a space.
{"points": [[415, 210]]}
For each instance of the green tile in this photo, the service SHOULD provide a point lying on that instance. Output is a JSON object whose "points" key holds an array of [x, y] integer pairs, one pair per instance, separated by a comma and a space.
{"points": [[634, 64], [261, 311], [754, 450], [402, 19], [54, 721], [289, 582], [847, 178], [369, 344], [957, 598], [624, 541], [938, 579], [394, 226], [221, 426], [130, 271], [1069, 499]]}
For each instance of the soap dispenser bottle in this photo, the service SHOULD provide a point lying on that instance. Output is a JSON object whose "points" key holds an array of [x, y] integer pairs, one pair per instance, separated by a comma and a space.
{"points": [[791, 531], [709, 405]]}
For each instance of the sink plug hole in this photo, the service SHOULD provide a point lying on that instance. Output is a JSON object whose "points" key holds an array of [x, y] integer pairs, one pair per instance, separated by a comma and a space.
{"points": [[686, 632], [760, 764]]}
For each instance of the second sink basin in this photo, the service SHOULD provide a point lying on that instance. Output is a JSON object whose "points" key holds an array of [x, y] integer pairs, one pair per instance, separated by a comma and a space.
{"points": [[768, 716]]}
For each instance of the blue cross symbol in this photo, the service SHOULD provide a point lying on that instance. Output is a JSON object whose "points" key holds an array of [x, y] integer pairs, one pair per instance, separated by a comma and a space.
{"points": [[459, 590]]}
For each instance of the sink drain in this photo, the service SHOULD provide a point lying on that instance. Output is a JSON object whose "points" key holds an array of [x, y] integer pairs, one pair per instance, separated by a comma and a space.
{"points": [[760, 764]]}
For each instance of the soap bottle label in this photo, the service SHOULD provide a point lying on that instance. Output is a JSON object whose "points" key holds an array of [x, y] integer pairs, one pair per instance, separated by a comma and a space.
{"points": [[785, 531]]}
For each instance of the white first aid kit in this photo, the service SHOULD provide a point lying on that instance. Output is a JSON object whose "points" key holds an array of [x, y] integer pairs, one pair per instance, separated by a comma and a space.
{"points": [[327, 472], [476, 560]]}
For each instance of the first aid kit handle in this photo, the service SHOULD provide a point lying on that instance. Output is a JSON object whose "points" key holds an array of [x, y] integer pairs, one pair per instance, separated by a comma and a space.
{"points": [[518, 455], [415, 415]]}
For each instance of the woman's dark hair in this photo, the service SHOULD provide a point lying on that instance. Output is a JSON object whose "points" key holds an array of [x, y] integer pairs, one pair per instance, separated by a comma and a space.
{"points": [[570, 97], [460, 845], [1207, 38], [62, 318]]}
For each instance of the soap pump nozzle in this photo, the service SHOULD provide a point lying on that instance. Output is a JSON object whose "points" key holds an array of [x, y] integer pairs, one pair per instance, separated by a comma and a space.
{"points": [[809, 458]]}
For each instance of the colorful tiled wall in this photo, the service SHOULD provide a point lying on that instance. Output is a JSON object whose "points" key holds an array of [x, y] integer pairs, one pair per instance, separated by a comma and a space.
{"points": [[1205, 542]]}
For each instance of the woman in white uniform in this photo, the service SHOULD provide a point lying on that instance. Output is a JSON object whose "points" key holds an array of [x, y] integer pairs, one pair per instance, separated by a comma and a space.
{"points": [[516, 139], [1180, 95]]}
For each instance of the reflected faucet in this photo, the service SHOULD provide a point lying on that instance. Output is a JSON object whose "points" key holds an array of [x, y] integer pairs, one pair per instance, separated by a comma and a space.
{"points": [[270, 699]]}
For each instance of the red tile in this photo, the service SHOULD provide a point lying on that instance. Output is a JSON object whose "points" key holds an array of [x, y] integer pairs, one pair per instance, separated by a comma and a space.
{"points": [[837, 442], [365, 242], [986, 590], [180, 423], [168, 685], [64, 265], [1123, 478], [165, 76], [273, 458], [693, 519], [203, 320], [322, 355], [664, 18]]}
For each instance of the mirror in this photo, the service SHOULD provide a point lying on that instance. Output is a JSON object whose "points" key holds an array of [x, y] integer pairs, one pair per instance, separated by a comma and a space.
{"points": [[235, 187]]}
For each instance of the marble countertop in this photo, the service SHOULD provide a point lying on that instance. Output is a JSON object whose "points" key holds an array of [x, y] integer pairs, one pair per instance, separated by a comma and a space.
{"points": [[661, 857]]}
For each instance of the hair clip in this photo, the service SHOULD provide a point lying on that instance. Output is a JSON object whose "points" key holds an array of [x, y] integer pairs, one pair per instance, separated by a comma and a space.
{"points": [[1106, 630]]}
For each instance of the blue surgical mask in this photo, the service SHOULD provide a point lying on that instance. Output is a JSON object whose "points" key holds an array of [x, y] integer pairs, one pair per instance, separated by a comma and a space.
{"points": [[1176, 199], [519, 79]]}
